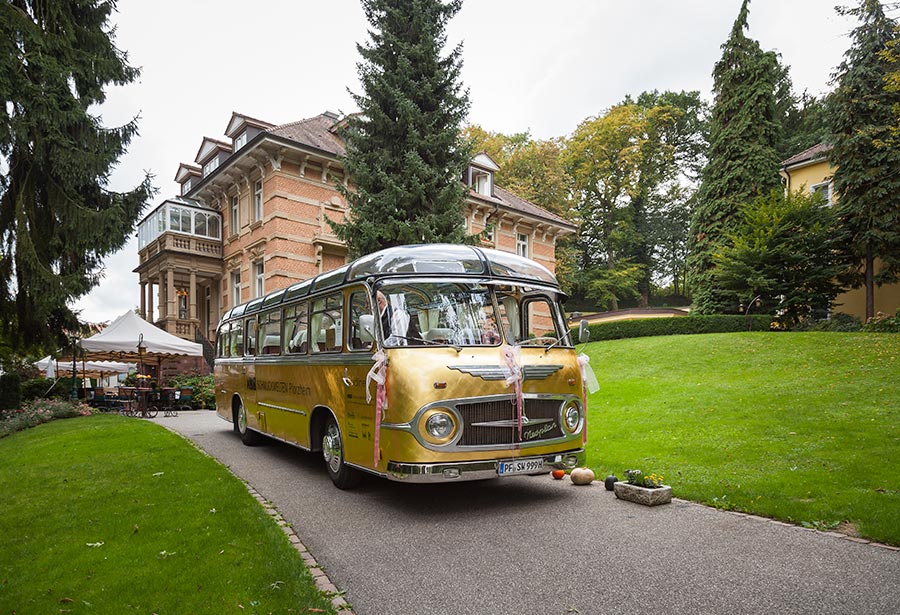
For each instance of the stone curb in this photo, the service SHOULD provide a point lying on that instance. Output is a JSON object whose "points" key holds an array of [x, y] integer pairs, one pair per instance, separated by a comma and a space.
{"points": [[323, 583], [831, 533]]}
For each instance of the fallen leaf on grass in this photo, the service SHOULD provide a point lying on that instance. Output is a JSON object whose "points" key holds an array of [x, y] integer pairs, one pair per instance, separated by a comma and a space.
{"points": [[65, 600], [94, 544]]}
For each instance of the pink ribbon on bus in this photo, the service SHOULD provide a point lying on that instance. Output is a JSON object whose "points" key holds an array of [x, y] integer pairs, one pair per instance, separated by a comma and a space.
{"points": [[511, 356], [378, 373], [583, 361]]}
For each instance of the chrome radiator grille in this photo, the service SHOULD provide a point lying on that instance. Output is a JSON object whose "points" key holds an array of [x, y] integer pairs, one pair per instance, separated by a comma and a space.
{"points": [[494, 422]]}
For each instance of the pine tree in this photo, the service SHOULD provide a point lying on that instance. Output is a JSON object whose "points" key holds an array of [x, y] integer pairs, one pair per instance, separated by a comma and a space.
{"points": [[405, 154], [866, 181], [57, 218], [742, 162]]}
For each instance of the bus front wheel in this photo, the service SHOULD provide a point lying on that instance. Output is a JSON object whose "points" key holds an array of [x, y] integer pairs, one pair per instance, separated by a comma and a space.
{"points": [[343, 476], [248, 436]]}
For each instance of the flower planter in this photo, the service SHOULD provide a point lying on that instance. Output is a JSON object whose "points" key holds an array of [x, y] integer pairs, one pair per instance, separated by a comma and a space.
{"points": [[643, 495]]}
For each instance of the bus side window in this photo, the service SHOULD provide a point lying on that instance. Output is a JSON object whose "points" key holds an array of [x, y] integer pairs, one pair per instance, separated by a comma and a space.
{"points": [[270, 333], [326, 324], [250, 349], [362, 322], [222, 341], [295, 333], [237, 339]]}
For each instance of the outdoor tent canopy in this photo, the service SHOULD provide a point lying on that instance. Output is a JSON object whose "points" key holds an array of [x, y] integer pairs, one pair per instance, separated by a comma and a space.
{"points": [[119, 342], [88, 369]]}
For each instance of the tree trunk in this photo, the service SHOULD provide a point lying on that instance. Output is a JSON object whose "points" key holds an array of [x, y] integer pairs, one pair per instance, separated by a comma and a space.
{"points": [[870, 283]]}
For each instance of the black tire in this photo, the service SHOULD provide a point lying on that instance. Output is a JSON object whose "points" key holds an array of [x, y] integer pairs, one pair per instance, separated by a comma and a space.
{"points": [[343, 476], [152, 412], [248, 436]]}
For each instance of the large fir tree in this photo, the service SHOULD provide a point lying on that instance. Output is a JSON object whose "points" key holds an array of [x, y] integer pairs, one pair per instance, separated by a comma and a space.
{"points": [[867, 181], [405, 154], [57, 218], [743, 162]]}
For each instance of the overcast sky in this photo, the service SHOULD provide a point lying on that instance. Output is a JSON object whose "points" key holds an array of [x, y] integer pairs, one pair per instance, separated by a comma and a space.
{"points": [[528, 65]]}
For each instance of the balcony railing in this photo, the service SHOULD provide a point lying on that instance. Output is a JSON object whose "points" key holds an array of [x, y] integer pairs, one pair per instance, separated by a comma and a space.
{"points": [[182, 243]]}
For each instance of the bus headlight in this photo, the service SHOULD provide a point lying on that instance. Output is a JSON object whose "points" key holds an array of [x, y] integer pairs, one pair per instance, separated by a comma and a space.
{"points": [[438, 426], [571, 416]]}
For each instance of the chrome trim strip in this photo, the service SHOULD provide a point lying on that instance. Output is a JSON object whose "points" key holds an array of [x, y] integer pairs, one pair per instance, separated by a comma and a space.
{"points": [[496, 372], [472, 470], [274, 407], [512, 422]]}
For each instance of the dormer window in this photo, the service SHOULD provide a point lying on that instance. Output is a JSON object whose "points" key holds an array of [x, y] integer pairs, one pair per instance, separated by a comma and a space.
{"points": [[241, 141], [210, 166], [186, 187], [482, 182]]}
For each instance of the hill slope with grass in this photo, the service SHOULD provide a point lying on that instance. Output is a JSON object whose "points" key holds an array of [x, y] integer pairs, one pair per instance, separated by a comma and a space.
{"points": [[803, 427], [108, 514]]}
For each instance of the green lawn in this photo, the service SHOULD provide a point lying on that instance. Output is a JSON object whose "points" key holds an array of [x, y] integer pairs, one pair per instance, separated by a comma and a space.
{"points": [[108, 514], [803, 427]]}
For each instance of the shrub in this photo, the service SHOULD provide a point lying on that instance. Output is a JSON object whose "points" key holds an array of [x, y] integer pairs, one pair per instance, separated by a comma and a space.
{"points": [[840, 322], [204, 394], [881, 323], [10, 391], [646, 327], [39, 411], [46, 387]]}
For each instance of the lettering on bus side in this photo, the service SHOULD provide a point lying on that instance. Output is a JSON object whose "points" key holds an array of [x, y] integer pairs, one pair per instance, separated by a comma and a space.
{"points": [[279, 386]]}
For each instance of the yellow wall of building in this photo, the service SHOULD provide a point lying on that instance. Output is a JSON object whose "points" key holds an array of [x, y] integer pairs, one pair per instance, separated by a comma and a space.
{"points": [[887, 297]]}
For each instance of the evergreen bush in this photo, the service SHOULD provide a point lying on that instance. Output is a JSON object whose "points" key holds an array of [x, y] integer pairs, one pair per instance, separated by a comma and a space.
{"points": [[646, 327], [10, 391]]}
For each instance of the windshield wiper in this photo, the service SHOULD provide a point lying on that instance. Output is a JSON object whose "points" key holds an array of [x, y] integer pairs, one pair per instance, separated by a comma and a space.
{"points": [[558, 340], [455, 347]]}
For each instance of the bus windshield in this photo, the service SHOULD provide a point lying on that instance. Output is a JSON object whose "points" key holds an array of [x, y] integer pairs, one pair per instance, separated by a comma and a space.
{"points": [[463, 314]]}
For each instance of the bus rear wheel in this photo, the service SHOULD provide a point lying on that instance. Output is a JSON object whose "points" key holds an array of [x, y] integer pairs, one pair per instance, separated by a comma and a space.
{"points": [[248, 436], [343, 476]]}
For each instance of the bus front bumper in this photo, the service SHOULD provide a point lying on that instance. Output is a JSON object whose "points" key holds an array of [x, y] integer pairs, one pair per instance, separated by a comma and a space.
{"points": [[480, 470]]}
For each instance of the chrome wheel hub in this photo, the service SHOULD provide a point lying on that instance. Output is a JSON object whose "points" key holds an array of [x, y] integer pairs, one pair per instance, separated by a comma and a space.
{"points": [[331, 448]]}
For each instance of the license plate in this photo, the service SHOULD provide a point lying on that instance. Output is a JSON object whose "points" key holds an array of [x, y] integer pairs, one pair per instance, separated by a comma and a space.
{"points": [[520, 466]]}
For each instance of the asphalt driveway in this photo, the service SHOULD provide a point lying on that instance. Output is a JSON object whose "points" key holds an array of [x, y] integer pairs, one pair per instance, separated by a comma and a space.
{"points": [[534, 545]]}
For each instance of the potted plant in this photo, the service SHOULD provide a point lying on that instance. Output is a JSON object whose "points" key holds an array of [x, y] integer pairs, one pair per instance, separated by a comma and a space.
{"points": [[647, 489]]}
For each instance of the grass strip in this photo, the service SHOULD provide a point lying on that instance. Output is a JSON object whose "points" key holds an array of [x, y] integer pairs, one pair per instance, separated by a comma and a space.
{"points": [[802, 427], [108, 514]]}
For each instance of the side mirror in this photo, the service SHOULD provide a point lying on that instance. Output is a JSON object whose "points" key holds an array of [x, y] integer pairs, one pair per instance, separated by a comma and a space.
{"points": [[584, 334]]}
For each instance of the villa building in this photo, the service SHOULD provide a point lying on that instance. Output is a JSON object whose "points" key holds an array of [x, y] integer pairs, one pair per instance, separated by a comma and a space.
{"points": [[252, 217], [810, 171]]}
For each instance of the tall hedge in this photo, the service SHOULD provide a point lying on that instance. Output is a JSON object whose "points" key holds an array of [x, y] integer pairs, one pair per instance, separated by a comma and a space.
{"points": [[646, 327], [10, 391]]}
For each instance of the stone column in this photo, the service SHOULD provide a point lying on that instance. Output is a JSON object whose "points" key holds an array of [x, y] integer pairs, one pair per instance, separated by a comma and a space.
{"points": [[149, 300], [144, 300], [162, 294], [192, 297], [171, 297]]}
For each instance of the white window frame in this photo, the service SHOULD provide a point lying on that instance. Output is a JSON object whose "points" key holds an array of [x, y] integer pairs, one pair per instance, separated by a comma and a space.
{"points": [[235, 214], [240, 141], [236, 287], [210, 166], [186, 186], [259, 277], [829, 187], [523, 245], [258, 200]]}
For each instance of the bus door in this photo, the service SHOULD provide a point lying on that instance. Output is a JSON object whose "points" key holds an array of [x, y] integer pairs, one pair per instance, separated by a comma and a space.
{"points": [[248, 375], [359, 424]]}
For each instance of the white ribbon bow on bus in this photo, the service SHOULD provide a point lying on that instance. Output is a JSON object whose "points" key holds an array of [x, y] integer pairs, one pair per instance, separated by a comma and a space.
{"points": [[378, 373], [513, 372]]}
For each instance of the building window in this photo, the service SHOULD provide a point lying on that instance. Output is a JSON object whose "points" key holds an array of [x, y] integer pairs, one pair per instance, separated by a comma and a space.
{"points": [[235, 216], [522, 244], [257, 201], [210, 166], [182, 303], [824, 189], [240, 142], [186, 187], [259, 283], [481, 182], [235, 287]]}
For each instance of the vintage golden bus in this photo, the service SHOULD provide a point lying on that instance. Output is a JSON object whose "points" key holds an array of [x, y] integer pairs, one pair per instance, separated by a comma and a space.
{"points": [[417, 363]]}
